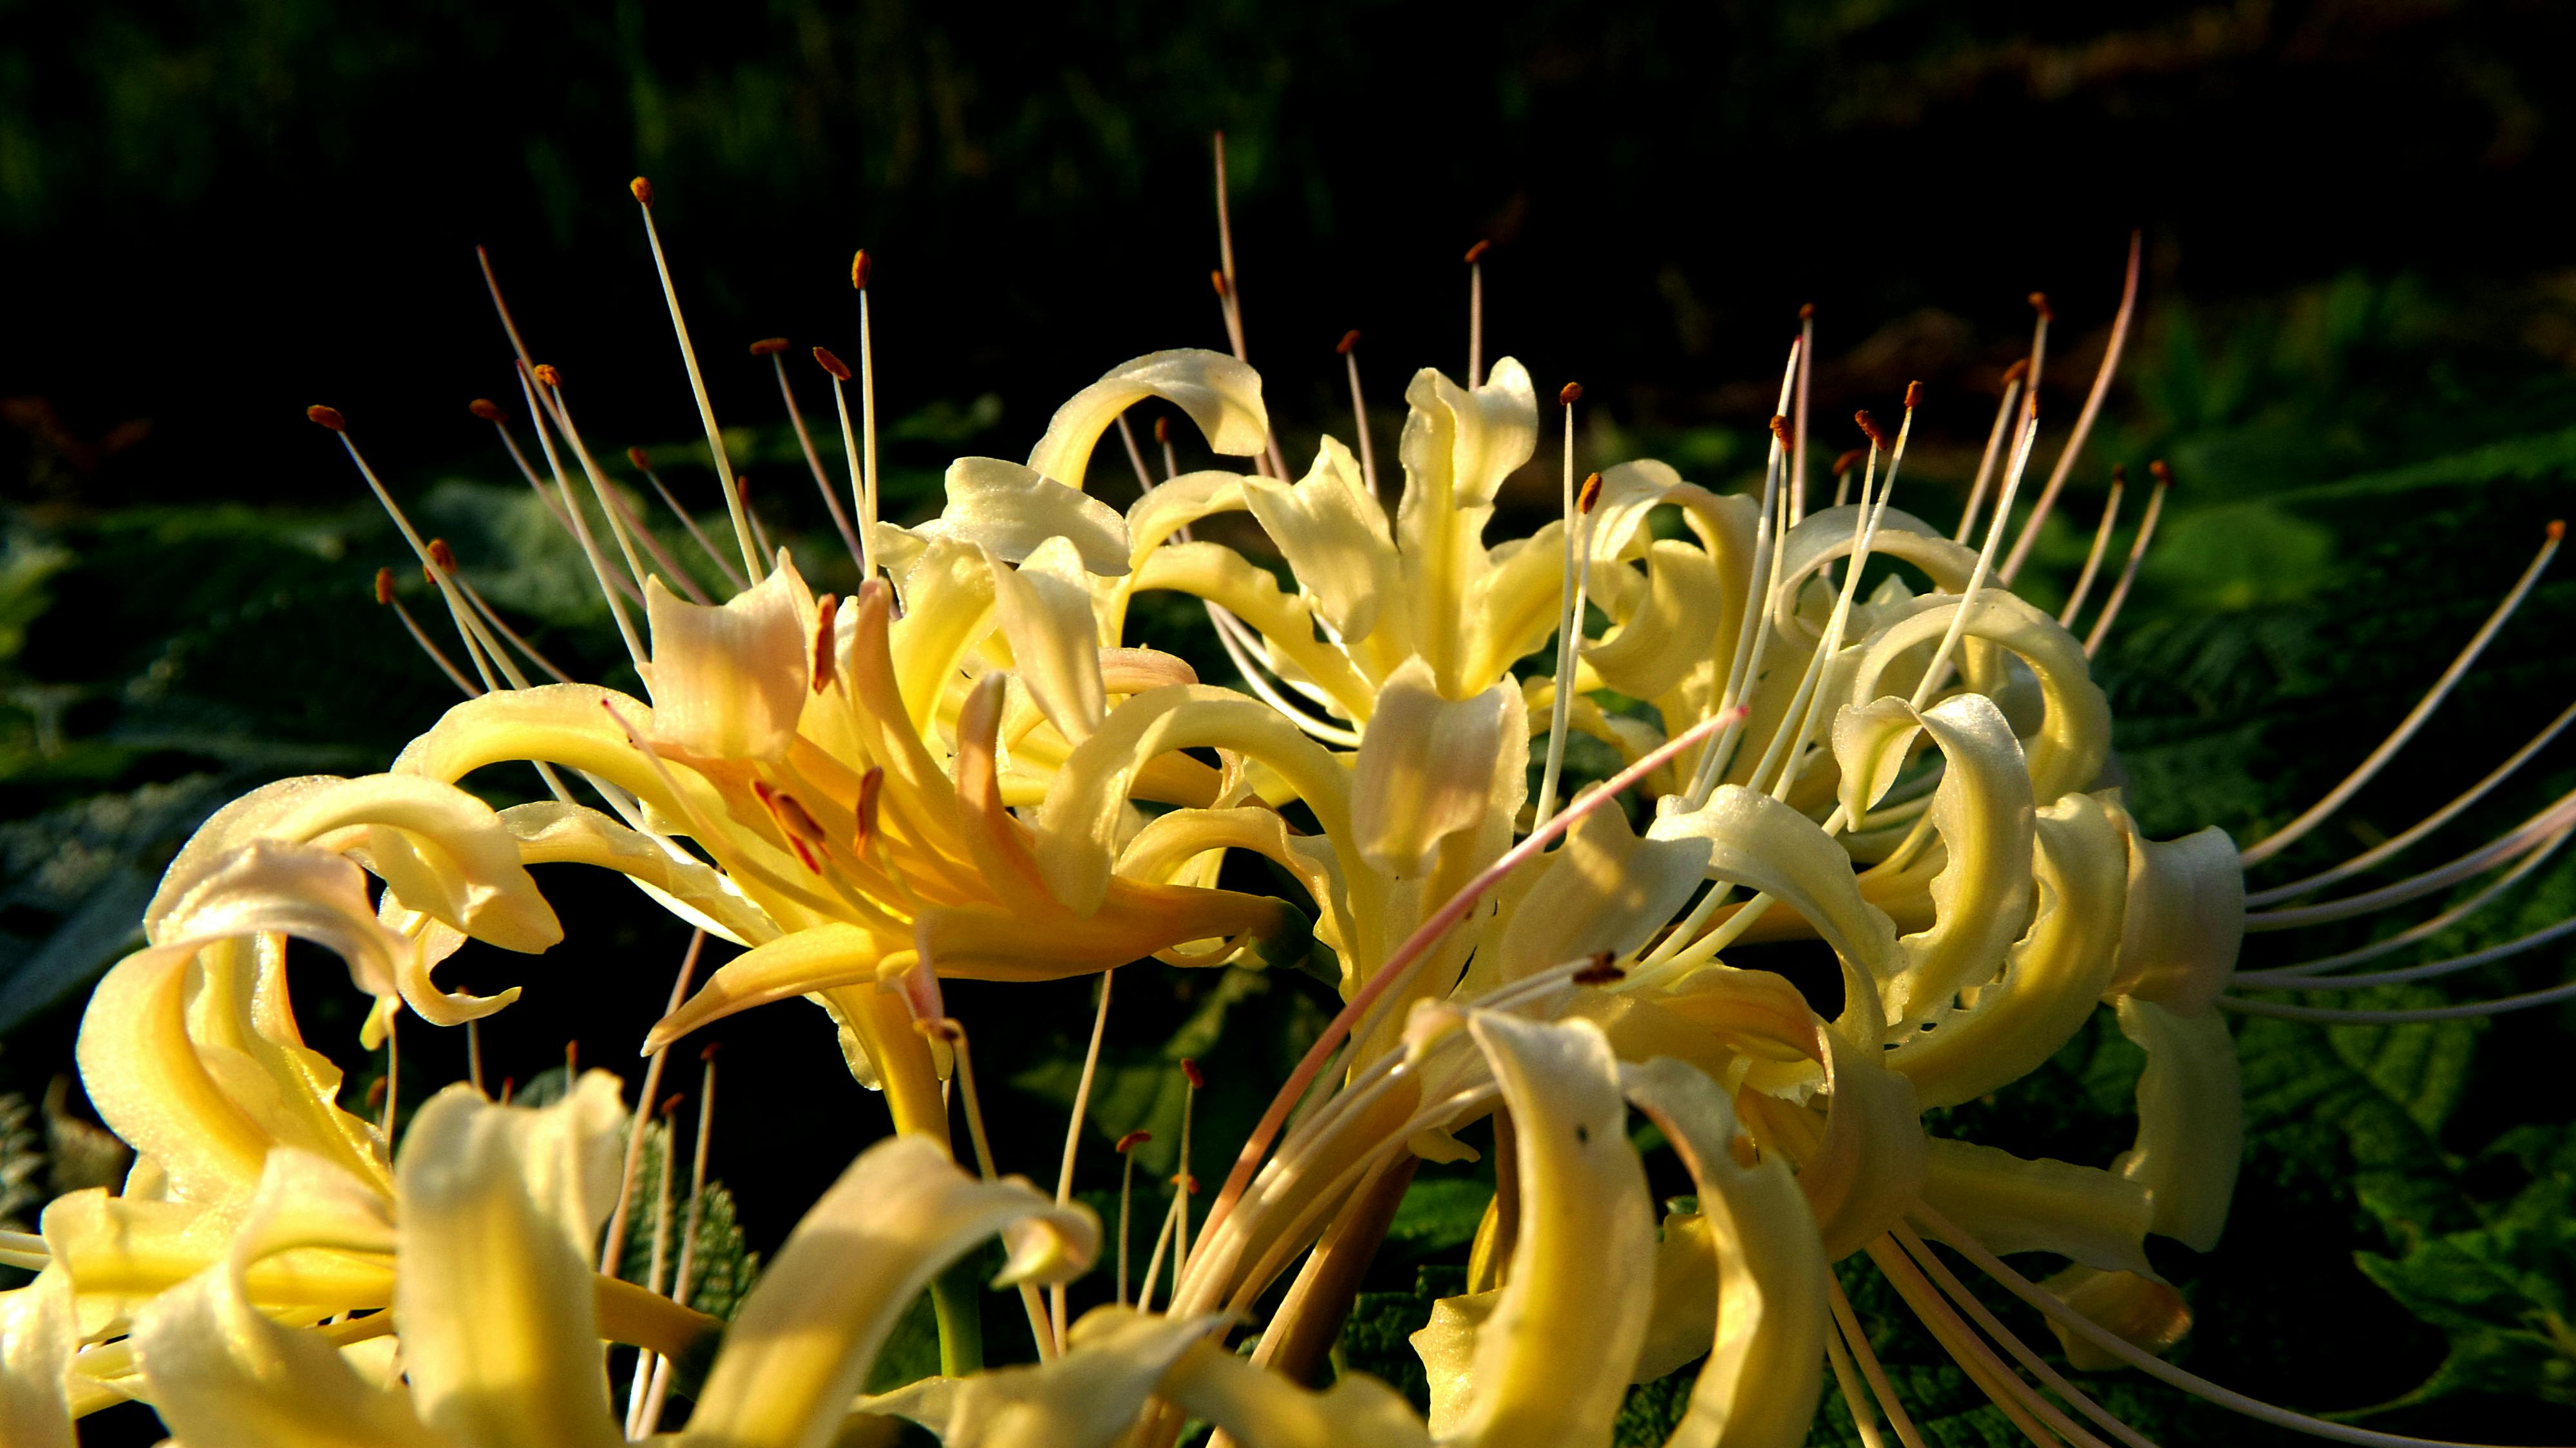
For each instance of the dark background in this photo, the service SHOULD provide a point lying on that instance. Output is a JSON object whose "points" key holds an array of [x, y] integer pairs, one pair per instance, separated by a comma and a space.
{"points": [[2355, 346]]}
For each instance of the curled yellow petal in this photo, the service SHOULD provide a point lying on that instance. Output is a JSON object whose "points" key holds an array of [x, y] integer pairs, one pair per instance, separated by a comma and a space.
{"points": [[1012, 509], [1765, 1363], [1582, 1268], [2191, 1119], [1220, 394], [2145, 1312], [1603, 889], [2012, 1204], [2053, 976], [1429, 768], [1335, 538], [2074, 735], [2185, 919], [1046, 614], [803, 1341], [730, 680], [36, 1339], [498, 1208]]}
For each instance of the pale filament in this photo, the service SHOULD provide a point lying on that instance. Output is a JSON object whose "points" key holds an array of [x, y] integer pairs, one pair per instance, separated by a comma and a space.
{"points": [[2531, 861], [2128, 572], [2290, 833], [2093, 559]]}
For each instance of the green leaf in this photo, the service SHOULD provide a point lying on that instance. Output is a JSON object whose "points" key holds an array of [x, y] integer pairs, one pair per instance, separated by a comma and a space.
{"points": [[2499, 1292]]}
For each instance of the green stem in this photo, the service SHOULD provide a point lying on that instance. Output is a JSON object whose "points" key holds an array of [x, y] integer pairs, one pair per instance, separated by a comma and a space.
{"points": [[956, 1300]]}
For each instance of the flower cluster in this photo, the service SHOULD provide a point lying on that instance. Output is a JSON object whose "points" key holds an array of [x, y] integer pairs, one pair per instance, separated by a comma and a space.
{"points": [[962, 770]]}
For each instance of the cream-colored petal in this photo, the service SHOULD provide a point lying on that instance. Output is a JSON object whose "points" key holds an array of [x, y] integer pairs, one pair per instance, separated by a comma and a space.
{"points": [[1088, 1398], [2185, 920], [729, 680], [1582, 1270], [36, 1341], [1172, 505], [1603, 889], [1765, 1365], [1982, 809], [551, 832], [223, 1374], [2191, 1119], [1677, 629], [1285, 621], [1685, 1316], [1428, 767], [1220, 394], [1832, 533], [499, 1209], [1335, 538], [1865, 1170], [2072, 738], [803, 1341], [441, 849], [1759, 843], [2011, 1204], [2054, 974], [1077, 826], [1046, 614], [1264, 1410], [1456, 448], [1011, 509], [187, 1050], [2145, 1312]]}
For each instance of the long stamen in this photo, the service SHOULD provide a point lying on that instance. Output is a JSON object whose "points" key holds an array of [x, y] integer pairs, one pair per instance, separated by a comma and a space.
{"points": [[1957, 1291], [1938, 672], [1847, 1327], [393, 1075], [870, 505], [2147, 1362], [771, 348], [1798, 425], [1348, 347], [2422, 827], [2435, 969], [1154, 1260], [2559, 815], [647, 1362], [2334, 1015], [1073, 1130], [1171, 459], [1575, 559], [1184, 1183], [751, 556], [474, 1056], [1126, 1150], [2290, 833], [490, 411], [950, 1030], [862, 547], [2137, 553], [1770, 532], [613, 1250], [2038, 1419], [1847, 1382], [2084, 419], [385, 595], [2538, 855], [1476, 312], [2101, 544], [2004, 414], [581, 526], [1229, 293], [759, 533], [446, 559], [644, 464]]}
